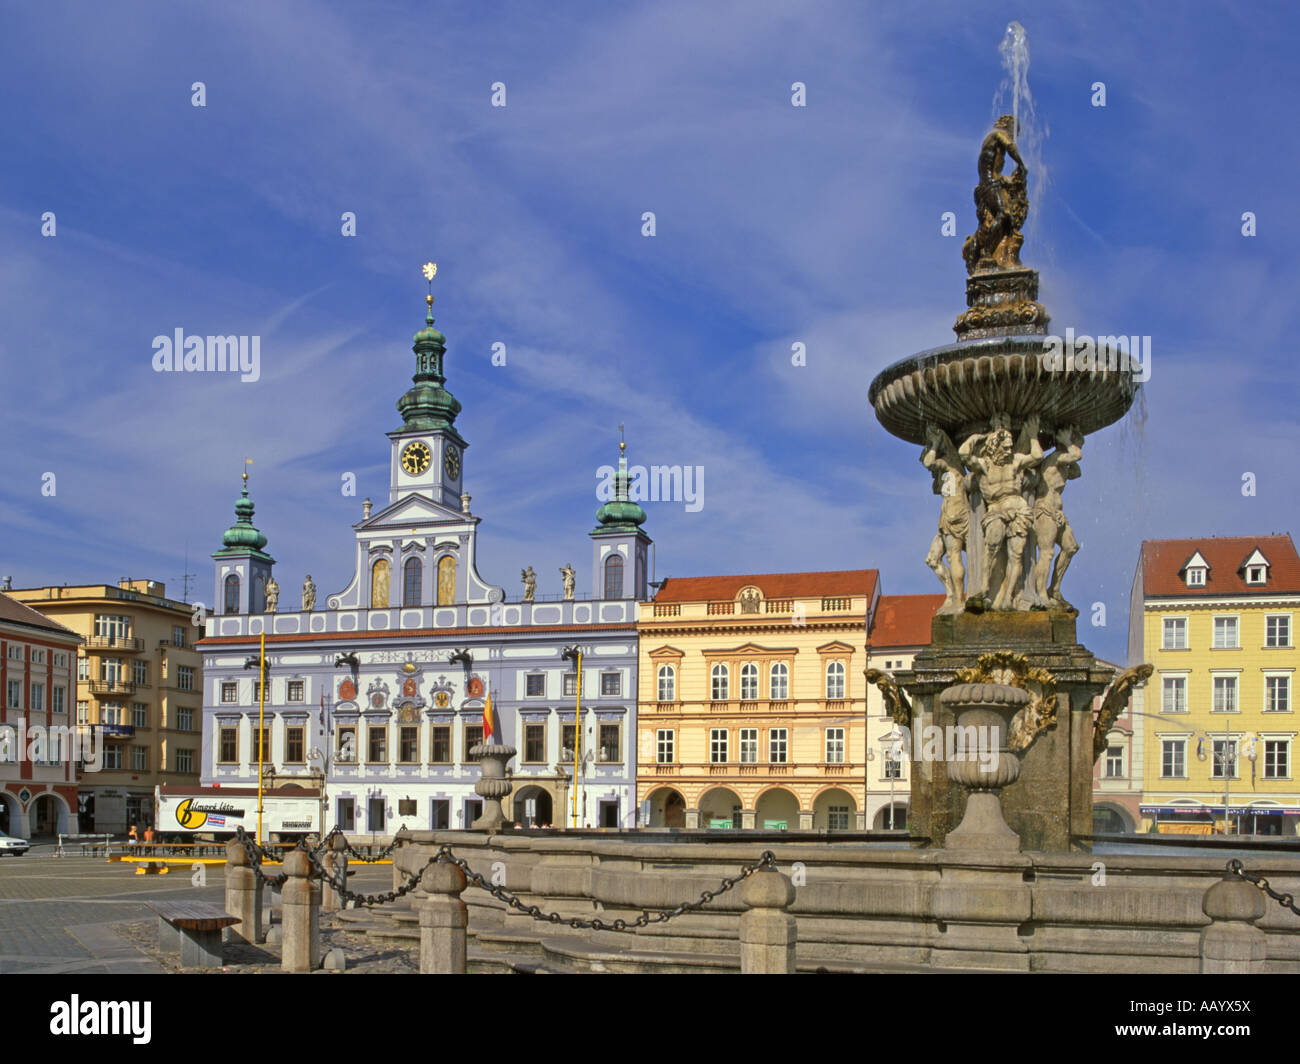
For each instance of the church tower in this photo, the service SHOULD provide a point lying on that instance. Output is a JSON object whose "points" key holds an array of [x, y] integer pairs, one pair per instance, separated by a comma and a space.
{"points": [[427, 451], [619, 545], [243, 569]]}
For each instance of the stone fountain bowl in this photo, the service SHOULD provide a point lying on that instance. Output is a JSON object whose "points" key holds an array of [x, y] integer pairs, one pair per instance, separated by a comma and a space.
{"points": [[960, 386]]}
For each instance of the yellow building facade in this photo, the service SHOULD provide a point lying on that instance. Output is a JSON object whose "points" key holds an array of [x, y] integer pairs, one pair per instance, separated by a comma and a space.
{"points": [[752, 701], [139, 681], [1216, 619]]}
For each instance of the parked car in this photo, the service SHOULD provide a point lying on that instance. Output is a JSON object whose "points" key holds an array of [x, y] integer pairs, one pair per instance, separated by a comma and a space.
{"points": [[10, 845]]}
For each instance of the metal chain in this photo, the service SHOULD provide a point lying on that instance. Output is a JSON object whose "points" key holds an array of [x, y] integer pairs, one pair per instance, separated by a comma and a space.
{"points": [[255, 857], [362, 900], [350, 850], [768, 860], [1287, 901]]}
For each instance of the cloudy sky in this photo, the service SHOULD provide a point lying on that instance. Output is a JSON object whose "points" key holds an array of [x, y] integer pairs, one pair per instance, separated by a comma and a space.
{"points": [[775, 225]]}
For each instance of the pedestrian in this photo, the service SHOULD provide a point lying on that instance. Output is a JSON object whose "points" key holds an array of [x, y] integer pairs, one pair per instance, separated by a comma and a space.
{"points": [[148, 835], [132, 837]]}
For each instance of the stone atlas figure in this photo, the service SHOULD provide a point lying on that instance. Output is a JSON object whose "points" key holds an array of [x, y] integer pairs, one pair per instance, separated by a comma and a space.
{"points": [[1050, 524], [940, 457]]}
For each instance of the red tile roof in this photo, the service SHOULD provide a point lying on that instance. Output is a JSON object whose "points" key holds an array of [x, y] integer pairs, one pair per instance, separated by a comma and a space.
{"points": [[14, 612], [772, 585], [1163, 561], [903, 620]]}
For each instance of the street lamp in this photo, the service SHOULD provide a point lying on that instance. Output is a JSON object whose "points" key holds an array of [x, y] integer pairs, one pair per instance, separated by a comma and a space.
{"points": [[891, 746]]}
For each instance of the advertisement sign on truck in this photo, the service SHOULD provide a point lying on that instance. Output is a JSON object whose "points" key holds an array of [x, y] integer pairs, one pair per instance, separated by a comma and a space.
{"points": [[287, 812]]}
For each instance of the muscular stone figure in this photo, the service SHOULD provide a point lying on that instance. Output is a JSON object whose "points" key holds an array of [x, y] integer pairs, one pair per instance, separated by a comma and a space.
{"points": [[941, 459], [1001, 202], [1000, 473], [1050, 524]]}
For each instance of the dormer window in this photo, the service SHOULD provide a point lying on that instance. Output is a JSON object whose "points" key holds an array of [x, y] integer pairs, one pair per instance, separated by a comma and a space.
{"points": [[1196, 577], [1194, 572], [1256, 569], [1255, 574]]}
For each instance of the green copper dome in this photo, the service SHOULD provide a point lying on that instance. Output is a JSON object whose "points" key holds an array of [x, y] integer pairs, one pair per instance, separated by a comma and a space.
{"points": [[242, 537], [620, 514], [427, 404]]}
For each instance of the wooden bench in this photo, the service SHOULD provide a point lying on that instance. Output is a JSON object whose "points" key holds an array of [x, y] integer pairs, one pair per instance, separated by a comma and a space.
{"points": [[194, 928]]}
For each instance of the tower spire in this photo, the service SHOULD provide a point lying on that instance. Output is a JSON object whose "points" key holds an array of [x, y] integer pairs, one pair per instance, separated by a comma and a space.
{"points": [[620, 513], [427, 404]]}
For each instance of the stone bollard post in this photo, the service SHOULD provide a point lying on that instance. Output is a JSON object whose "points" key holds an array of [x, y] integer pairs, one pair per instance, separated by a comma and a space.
{"points": [[300, 916], [243, 894], [399, 874], [1232, 944], [444, 918], [767, 931], [335, 862]]}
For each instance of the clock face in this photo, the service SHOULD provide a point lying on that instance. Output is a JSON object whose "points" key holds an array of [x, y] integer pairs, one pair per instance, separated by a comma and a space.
{"points": [[452, 462], [416, 457]]}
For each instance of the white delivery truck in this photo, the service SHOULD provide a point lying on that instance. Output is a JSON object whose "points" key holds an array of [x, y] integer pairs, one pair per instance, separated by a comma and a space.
{"points": [[202, 814]]}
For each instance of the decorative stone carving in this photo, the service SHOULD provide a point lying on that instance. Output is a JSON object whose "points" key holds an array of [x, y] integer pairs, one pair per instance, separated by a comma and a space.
{"points": [[1007, 668], [308, 595], [271, 590], [530, 583], [897, 704], [940, 457], [1050, 524], [570, 580], [1113, 703], [1000, 480], [750, 601], [989, 709]]}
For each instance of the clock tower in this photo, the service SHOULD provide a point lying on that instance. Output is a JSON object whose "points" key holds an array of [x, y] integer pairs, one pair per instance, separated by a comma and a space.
{"points": [[427, 451]]}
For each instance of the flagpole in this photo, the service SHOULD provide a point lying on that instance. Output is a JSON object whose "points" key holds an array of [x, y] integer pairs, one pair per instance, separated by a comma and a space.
{"points": [[261, 729], [577, 740]]}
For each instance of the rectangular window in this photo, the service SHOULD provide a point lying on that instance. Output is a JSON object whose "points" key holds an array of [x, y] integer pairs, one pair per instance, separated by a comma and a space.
{"points": [[1225, 694], [1175, 633], [408, 745], [377, 747], [347, 753], [1172, 763], [473, 736], [611, 683], [834, 746], [83, 668], [185, 678], [534, 685], [228, 745], [566, 743], [837, 818], [113, 756], [294, 742], [295, 691], [748, 746], [441, 814], [1114, 762], [185, 719], [571, 685], [610, 743], [38, 656], [229, 692], [266, 746], [440, 744], [178, 636], [60, 661], [1224, 762], [664, 746], [139, 758], [1173, 696], [112, 626], [1277, 694], [1277, 759], [111, 714], [15, 652], [14, 694], [778, 741], [718, 746], [257, 693], [59, 696], [535, 743], [1225, 633], [140, 673], [139, 715], [83, 712], [36, 696], [1278, 630], [184, 760]]}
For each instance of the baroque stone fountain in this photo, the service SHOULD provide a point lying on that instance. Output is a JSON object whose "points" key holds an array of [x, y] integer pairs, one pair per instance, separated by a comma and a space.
{"points": [[1002, 428]]}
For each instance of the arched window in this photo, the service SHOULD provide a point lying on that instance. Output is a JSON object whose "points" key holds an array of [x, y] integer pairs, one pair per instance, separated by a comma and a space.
{"points": [[780, 689], [720, 683], [379, 585], [446, 580], [412, 578], [232, 594], [835, 679], [667, 683], [614, 577], [749, 681]]}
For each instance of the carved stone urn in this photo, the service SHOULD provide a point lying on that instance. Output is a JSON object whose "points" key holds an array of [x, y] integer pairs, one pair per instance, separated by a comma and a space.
{"points": [[982, 761], [492, 785]]}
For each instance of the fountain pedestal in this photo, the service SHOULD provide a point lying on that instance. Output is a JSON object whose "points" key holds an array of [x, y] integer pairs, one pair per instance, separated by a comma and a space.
{"points": [[1051, 797], [492, 785]]}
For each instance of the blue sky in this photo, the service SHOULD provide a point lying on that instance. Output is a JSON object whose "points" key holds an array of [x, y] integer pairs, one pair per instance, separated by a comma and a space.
{"points": [[775, 225]]}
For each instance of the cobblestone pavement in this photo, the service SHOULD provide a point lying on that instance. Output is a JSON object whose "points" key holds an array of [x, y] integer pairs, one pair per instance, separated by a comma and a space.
{"points": [[81, 914]]}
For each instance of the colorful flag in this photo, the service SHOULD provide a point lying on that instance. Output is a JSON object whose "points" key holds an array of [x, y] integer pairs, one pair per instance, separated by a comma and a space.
{"points": [[489, 720]]}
